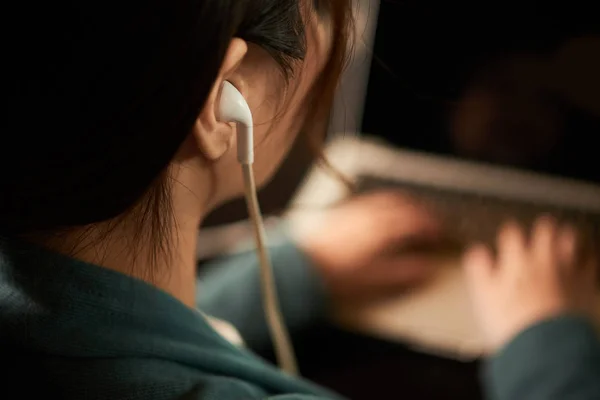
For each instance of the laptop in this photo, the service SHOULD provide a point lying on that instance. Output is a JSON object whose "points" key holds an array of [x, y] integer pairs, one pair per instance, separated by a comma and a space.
{"points": [[481, 124], [505, 120]]}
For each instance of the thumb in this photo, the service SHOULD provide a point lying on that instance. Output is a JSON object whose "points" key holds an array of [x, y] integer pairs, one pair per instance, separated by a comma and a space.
{"points": [[419, 229], [405, 270], [401, 214], [478, 264]]}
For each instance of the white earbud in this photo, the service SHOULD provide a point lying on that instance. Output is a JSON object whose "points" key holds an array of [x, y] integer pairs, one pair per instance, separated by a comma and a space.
{"points": [[234, 108]]}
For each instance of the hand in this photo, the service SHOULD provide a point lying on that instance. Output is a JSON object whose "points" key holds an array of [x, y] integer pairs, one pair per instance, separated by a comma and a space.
{"points": [[528, 282], [358, 245]]}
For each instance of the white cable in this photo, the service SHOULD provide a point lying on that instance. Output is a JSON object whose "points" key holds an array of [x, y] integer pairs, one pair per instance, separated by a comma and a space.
{"points": [[234, 108], [279, 334]]}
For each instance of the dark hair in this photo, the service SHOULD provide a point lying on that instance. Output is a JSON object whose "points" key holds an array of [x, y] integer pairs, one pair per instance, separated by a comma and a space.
{"points": [[103, 93]]}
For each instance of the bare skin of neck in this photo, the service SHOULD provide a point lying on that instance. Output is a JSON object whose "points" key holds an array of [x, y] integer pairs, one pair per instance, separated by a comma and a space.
{"points": [[124, 247]]}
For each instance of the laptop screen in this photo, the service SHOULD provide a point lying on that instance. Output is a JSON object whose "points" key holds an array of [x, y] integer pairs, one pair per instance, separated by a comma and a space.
{"points": [[518, 89]]}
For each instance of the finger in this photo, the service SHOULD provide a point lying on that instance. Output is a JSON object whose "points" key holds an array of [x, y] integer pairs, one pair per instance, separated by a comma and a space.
{"points": [[388, 276], [415, 217], [566, 248], [511, 247], [395, 214], [405, 270], [478, 264], [544, 243], [410, 225]]}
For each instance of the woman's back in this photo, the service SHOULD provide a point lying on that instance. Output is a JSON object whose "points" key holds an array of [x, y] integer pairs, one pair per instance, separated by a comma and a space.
{"points": [[113, 151], [78, 331]]}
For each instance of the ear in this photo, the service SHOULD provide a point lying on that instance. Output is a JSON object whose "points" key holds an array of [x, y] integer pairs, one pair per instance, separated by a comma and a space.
{"points": [[215, 138]]}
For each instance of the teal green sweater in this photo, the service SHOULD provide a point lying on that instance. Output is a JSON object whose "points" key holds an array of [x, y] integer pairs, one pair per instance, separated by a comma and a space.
{"points": [[76, 331]]}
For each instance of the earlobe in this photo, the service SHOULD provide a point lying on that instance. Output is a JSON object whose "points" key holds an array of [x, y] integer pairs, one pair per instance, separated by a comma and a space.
{"points": [[214, 138]]}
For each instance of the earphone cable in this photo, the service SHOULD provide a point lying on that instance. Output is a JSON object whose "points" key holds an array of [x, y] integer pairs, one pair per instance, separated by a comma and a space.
{"points": [[279, 334]]}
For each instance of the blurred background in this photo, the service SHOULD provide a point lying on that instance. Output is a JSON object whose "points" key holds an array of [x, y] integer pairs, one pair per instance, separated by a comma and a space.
{"points": [[503, 84], [425, 75]]}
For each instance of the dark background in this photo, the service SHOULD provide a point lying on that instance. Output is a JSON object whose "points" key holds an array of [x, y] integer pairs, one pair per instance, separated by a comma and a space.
{"points": [[425, 55]]}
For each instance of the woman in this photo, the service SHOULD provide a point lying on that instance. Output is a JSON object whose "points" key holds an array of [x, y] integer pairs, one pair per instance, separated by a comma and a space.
{"points": [[116, 154]]}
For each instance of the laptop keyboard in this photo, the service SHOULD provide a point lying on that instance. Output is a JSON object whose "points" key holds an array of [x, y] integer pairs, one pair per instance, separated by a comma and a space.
{"points": [[470, 217]]}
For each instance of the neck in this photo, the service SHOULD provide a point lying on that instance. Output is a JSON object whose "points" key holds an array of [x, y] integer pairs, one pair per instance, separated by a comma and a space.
{"points": [[169, 264], [163, 254]]}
